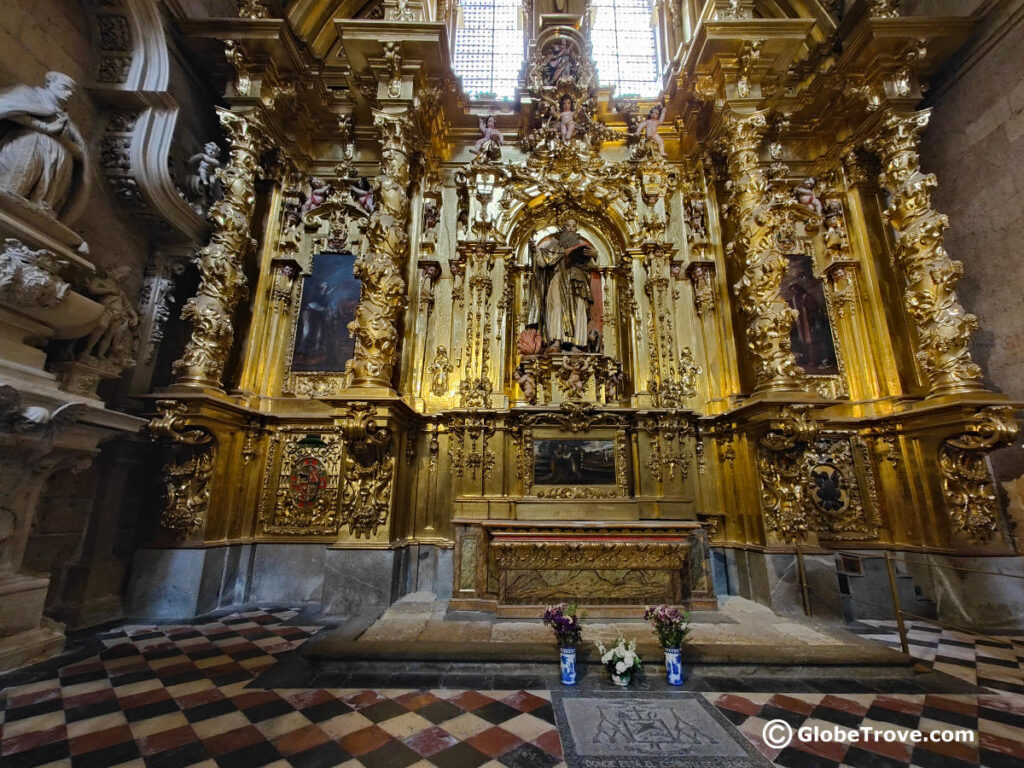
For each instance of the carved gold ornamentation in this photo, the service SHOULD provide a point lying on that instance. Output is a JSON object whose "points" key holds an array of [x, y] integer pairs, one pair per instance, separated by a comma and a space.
{"points": [[779, 462], [833, 489], [222, 281], [383, 293], [943, 327], [308, 475], [576, 492], [967, 484], [763, 214], [438, 372], [368, 470], [188, 472]]}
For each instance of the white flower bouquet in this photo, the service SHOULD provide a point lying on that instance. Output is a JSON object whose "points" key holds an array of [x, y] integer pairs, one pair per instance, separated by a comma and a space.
{"points": [[621, 660]]}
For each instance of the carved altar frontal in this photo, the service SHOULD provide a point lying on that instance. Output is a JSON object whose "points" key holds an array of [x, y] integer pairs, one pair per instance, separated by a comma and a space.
{"points": [[515, 567]]}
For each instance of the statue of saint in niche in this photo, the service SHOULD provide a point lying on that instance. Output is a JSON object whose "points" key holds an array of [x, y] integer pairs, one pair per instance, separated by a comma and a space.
{"points": [[42, 154], [560, 294]]}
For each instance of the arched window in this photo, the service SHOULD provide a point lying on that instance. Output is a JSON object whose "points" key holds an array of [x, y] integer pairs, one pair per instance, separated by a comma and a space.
{"points": [[624, 48], [489, 47]]}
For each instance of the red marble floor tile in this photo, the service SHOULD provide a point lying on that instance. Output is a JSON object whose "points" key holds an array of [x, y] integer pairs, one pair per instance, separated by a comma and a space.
{"points": [[791, 704], [223, 743], [31, 740], [160, 742], [363, 699], [738, 704], [365, 740], [35, 697], [300, 740], [1003, 745], [524, 701], [90, 742], [431, 741], [899, 705], [969, 708], [185, 665], [416, 699], [494, 741], [303, 699], [965, 752], [471, 700], [81, 669], [844, 705], [830, 750], [146, 697], [93, 697], [550, 743], [253, 698]]}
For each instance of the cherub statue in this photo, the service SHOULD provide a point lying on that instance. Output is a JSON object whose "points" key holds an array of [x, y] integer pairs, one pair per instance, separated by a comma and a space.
{"points": [[835, 232], [648, 128], [573, 373], [489, 143], [362, 195], [566, 118], [113, 340], [805, 195], [318, 192], [613, 385], [202, 180], [526, 382]]}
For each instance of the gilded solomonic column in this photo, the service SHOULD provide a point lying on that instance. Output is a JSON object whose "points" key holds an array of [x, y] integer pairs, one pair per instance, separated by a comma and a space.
{"points": [[382, 295], [756, 212], [943, 327], [222, 282]]}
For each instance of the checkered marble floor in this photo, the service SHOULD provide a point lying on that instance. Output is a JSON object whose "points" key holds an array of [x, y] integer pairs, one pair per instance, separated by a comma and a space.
{"points": [[180, 695], [995, 665], [170, 696]]}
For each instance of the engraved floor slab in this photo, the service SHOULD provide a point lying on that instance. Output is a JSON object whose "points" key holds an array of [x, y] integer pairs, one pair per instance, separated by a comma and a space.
{"points": [[623, 730]]}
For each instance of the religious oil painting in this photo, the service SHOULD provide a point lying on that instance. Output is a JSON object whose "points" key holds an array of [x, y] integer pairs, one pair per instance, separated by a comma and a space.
{"points": [[329, 298], [574, 462], [811, 335]]}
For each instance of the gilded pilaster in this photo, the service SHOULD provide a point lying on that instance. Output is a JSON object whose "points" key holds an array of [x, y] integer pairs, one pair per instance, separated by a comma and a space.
{"points": [[943, 327], [222, 281]]}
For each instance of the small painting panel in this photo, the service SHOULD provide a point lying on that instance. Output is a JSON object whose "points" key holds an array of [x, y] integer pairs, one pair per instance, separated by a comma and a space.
{"points": [[329, 298], [574, 462], [811, 335]]}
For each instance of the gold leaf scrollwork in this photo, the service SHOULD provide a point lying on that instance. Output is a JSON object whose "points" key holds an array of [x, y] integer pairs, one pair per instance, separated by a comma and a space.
{"points": [[943, 327], [188, 471], [221, 263], [307, 486], [368, 470], [967, 485], [780, 466]]}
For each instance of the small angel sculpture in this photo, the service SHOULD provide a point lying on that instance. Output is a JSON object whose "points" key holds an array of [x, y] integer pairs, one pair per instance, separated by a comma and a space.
{"points": [[805, 195], [362, 195], [318, 192], [648, 129], [489, 143], [202, 181]]}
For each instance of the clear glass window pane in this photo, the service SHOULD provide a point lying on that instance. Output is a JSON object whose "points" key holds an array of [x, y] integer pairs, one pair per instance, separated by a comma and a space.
{"points": [[489, 47], [623, 44]]}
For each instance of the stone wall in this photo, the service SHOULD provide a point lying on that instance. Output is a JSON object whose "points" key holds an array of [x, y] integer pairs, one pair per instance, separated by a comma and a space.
{"points": [[974, 145]]}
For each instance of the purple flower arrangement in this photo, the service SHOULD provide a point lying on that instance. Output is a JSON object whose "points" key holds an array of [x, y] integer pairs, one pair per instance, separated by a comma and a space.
{"points": [[564, 619], [669, 624]]}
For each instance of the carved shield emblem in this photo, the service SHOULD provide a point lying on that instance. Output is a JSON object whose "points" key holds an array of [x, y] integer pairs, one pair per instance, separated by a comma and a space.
{"points": [[307, 480], [827, 488]]}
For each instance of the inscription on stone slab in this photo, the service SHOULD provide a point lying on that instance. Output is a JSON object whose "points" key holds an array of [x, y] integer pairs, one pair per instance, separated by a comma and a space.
{"points": [[611, 732]]}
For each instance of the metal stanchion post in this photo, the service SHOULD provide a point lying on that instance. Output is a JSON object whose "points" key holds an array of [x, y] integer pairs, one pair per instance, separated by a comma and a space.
{"points": [[896, 602], [803, 580]]}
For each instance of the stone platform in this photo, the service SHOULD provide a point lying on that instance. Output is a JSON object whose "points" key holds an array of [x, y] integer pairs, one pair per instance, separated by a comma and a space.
{"points": [[420, 628]]}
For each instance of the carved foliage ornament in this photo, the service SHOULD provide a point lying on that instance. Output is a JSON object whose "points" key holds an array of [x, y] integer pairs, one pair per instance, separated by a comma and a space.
{"points": [[368, 471], [943, 327], [307, 486], [222, 262], [188, 472], [30, 278], [967, 486]]}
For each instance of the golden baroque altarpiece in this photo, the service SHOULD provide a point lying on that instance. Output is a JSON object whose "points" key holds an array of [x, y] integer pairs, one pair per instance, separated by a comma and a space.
{"points": [[721, 316]]}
